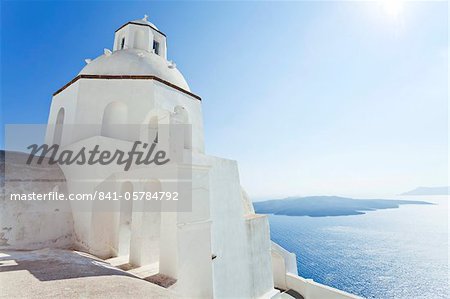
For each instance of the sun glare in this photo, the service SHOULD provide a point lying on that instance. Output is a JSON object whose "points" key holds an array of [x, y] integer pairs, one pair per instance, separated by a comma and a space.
{"points": [[393, 8]]}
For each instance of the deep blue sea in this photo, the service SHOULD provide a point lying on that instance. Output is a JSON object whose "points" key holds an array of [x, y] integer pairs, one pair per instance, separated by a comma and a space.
{"points": [[394, 253]]}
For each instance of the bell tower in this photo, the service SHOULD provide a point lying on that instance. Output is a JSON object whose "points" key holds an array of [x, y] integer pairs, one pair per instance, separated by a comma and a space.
{"points": [[141, 35]]}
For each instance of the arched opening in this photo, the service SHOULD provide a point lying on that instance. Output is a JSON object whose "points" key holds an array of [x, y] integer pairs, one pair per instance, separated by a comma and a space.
{"points": [[156, 47], [57, 136], [114, 119], [181, 118]]}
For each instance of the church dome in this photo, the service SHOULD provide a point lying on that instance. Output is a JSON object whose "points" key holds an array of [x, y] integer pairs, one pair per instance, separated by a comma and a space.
{"points": [[135, 62]]}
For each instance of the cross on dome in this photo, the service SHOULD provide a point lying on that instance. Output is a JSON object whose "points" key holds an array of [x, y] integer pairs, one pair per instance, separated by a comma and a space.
{"points": [[145, 17]]}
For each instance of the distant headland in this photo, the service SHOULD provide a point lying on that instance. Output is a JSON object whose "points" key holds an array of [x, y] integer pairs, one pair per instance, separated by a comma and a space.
{"points": [[323, 206], [429, 191]]}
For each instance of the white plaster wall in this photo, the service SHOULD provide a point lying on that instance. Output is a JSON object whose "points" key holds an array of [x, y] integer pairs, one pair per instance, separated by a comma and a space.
{"points": [[283, 262], [118, 35], [285, 277], [147, 34], [162, 43], [310, 289], [242, 267], [86, 105], [194, 260], [279, 271], [168, 98], [93, 227], [259, 255], [231, 272], [247, 203], [96, 231], [68, 100], [26, 225], [136, 37], [145, 237], [23, 228], [186, 241]]}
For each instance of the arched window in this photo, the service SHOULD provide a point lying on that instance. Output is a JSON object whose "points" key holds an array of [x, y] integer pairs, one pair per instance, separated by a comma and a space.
{"points": [[57, 136], [153, 130], [181, 118], [156, 47], [114, 119], [122, 43]]}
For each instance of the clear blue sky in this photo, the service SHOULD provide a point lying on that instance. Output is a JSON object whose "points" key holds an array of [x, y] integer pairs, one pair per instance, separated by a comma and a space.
{"points": [[311, 98]]}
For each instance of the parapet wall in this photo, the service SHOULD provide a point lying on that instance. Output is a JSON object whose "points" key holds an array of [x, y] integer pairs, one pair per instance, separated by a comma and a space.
{"points": [[310, 289], [29, 225]]}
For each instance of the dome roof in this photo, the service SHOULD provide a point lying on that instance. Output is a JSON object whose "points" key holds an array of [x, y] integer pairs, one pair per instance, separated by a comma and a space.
{"points": [[144, 22], [135, 62]]}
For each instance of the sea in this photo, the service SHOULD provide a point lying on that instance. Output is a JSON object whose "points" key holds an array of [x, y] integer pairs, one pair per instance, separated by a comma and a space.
{"points": [[392, 253]]}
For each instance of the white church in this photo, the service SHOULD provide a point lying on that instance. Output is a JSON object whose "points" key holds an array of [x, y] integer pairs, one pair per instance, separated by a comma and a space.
{"points": [[219, 248]]}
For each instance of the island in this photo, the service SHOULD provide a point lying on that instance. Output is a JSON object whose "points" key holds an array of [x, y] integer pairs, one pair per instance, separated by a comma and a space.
{"points": [[323, 206]]}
